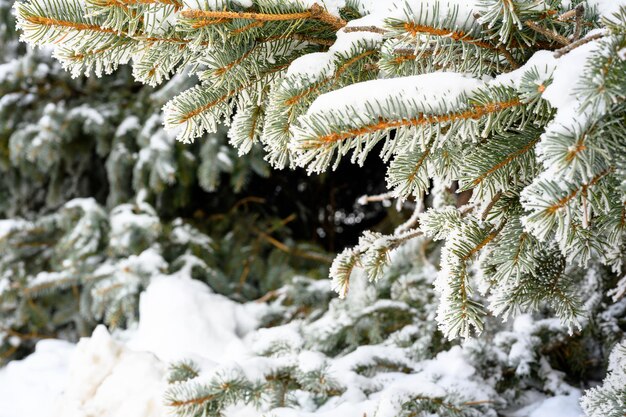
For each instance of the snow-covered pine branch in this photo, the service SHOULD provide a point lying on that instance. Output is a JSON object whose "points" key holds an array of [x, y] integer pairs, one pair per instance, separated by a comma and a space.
{"points": [[520, 103]]}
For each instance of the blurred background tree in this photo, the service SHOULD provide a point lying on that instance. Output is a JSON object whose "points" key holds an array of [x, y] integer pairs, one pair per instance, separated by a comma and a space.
{"points": [[91, 185]]}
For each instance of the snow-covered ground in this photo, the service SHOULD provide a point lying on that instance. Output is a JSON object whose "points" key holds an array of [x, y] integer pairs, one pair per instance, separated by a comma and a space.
{"points": [[124, 374]]}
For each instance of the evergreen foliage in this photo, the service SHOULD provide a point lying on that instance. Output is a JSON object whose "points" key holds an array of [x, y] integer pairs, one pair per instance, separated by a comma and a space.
{"points": [[508, 113], [540, 172], [384, 345], [609, 399]]}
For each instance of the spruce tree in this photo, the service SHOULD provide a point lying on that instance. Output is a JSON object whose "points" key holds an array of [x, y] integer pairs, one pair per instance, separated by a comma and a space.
{"points": [[500, 121]]}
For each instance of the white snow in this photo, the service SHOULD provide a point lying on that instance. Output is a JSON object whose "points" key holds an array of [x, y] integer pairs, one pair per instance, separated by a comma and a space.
{"points": [[566, 76], [44, 277], [607, 7], [128, 218], [123, 374], [41, 376], [10, 225], [426, 88], [561, 405], [543, 61], [85, 204], [309, 361], [312, 65], [182, 318], [317, 65], [107, 379], [129, 125]]}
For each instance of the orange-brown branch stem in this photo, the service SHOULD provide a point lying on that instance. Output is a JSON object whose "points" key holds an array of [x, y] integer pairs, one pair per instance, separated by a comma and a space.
{"points": [[582, 190], [505, 161], [316, 12], [336, 75], [186, 117], [48, 21], [415, 29], [475, 112]]}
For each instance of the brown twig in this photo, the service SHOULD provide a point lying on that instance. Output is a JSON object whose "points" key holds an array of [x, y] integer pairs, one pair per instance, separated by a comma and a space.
{"points": [[578, 27], [270, 295], [492, 203], [415, 29], [404, 51], [26, 336], [569, 48], [372, 29], [581, 190], [509, 57], [293, 251], [547, 33], [316, 12], [576, 13]]}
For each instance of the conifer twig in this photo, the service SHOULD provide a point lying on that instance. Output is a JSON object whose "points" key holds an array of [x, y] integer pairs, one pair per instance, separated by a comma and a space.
{"points": [[576, 13], [176, 3], [511, 157], [316, 12], [568, 15], [492, 203], [193, 113], [373, 29], [405, 51], [490, 237], [413, 221], [366, 199], [569, 48], [414, 29], [78, 26], [580, 13], [26, 336], [292, 251], [509, 57], [581, 190], [293, 100], [474, 112], [547, 33]]}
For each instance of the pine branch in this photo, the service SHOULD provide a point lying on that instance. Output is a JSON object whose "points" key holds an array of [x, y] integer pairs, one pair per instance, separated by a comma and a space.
{"points": [[407, 173], [569, 48], [33, 21], [340, 70], [490, 206], [582, 190], [103, 3], [316, 12], [509, 158], [415, 29], [48, 21], [200, 110], [473, 113]]}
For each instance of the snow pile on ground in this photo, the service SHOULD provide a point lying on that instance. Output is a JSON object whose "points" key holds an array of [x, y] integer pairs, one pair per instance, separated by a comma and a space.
{"points": [[41, 376], [107, 379], [123, 374], [182, 318]]}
